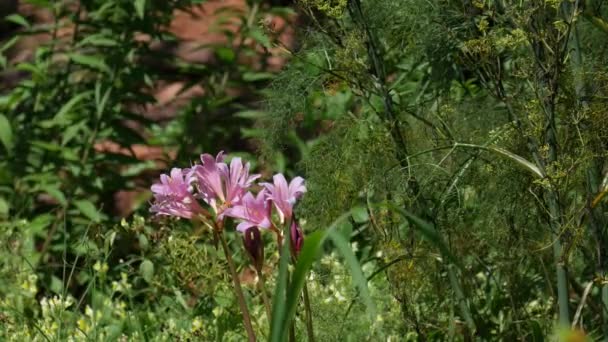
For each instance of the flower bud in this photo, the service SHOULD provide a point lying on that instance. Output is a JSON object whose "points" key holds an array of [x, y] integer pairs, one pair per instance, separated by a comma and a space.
{"points": [[297, 236], [254, 245]]}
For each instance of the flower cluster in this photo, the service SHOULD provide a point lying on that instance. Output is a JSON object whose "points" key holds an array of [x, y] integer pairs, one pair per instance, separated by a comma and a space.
{"points": [[227, 191]]}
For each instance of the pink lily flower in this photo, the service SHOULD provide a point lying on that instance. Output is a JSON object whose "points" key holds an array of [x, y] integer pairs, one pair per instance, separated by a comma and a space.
{"points": [[237, 180], [208, 179], [252, 211], [220, 186], [284, 195], [173, 196]]}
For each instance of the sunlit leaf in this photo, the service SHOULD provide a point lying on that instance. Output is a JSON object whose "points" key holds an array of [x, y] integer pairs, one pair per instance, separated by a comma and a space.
{"points": [[61, 117], [17, 19], [140, 7], [87, 208], [146, 269], [54, 192], [6, 133], [92, 61]]}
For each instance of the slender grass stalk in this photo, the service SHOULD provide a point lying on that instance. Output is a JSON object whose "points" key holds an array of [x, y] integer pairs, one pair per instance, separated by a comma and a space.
{"points": [[292, 331], [562, 285], [309, 326], [265, 299], [461, 299], [596, 221], [237, 289], [605, 308]]}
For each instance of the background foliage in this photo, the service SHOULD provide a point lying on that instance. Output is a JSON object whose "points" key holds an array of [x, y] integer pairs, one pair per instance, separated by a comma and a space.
{"points": [[465, 140]]}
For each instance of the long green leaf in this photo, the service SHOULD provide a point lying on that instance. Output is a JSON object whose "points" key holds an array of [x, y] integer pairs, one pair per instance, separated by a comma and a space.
{"points": [[359, 278], [18, 19], [284, 311], [87, 208], [517, 158], [306, 259], [140, 7], [6, 133], [95, 62], [61, 118], [277, 321]]}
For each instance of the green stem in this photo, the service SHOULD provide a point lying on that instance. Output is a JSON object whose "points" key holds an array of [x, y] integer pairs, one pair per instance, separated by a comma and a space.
{"points": [[562, 285], [605, 307], [460, 298], [596, 216], [237, 289], [262, 288], [309, 326]]}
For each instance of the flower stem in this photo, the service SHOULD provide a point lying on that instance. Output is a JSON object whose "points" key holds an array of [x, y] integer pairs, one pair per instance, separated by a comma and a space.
{"points": [[237, 289], [309, 326], [262, 286]]}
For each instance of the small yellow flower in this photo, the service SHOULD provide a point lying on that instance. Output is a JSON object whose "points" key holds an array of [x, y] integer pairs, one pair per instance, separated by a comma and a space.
{"points": [[83, 325], [197, 324], [101, 267]]}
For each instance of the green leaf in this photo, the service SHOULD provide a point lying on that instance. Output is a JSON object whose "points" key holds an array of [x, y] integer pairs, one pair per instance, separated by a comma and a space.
{"points": [[257, 76], [61, 117], [285, 301], [251, 114], [101, 101], [40, 223], [94, 62], [360, 214], [278, 321], [54, 192], [140, 6], [17, 19], [261, 37], [71, 131], [87, 208], [225, 54], [518, 159], [359, 278], [144, 245], [346, 229], [146, 269], [46, 146], [8, 44], [6, 133], [98, 40], [56, 285], [4, 207]]}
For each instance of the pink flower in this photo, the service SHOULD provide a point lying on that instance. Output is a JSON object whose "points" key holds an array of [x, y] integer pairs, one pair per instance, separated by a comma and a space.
{"points": [[208, 179], [237, 180], [284, 196], [221, 186], [252, 211], [173, 196]]}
